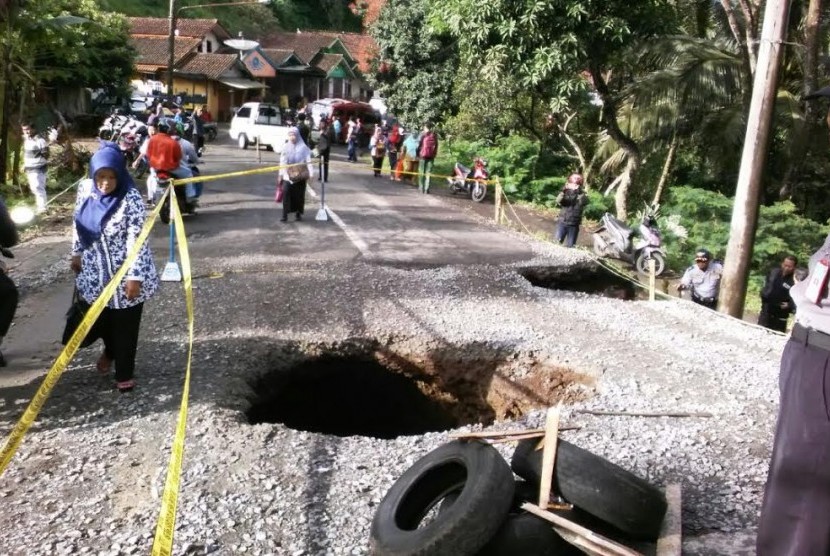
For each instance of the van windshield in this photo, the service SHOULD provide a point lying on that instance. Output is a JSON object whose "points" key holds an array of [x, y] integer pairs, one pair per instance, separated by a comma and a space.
{"points": [[268, 115]]}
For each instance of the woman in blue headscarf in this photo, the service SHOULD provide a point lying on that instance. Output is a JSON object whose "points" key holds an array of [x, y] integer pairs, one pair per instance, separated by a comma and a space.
{"points": [[109, 215], [295, 157]]}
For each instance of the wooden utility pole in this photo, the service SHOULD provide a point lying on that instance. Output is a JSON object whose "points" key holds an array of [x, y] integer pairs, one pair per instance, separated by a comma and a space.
{"points": [[9, 15], [753, 160]]}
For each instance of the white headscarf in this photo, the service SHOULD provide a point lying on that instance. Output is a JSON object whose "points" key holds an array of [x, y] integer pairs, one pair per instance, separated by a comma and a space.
{"points": [[293, 153]]}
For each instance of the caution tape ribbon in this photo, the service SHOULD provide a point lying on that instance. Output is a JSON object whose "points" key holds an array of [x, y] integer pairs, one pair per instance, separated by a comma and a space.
{"points": [[59, 366], [163, 542]]}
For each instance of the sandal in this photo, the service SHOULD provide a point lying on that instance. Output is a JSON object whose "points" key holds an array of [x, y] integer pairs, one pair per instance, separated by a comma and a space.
{"points": [[125, 385], [104, 364]]}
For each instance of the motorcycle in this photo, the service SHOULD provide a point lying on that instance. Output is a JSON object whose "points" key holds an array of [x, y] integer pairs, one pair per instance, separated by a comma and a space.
{"points": [[616, 240], [185, 207], [475, 186]]}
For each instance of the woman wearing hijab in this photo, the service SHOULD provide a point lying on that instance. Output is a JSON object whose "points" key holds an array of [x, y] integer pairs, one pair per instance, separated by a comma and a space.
{"points": [[409, 152], [377, 150], [294, 159], [109, 215]]}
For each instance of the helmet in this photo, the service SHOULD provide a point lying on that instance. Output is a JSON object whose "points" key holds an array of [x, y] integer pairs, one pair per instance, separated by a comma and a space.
{"points": [[179, 129], [163, 125], [575, 179], [702, 255]]}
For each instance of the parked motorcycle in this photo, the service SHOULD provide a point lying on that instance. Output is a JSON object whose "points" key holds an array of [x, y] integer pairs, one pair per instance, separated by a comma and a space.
{"points": [[616, 240], [471, 181]]}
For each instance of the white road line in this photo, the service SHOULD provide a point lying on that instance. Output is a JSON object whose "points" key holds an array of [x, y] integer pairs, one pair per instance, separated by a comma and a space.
{"points": [[351, 234]]}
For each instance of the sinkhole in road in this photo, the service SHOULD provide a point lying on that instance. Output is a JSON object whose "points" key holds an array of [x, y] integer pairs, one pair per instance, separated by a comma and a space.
{"points": [[592, 279], [375, 390]]}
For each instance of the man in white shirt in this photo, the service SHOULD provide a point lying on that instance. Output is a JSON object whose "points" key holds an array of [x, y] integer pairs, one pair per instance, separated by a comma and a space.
{"points": [[35, 157], [703, 279]]}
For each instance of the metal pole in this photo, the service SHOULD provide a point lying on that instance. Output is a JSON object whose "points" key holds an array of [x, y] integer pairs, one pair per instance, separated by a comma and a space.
{"points": [[322, 214], [171, 46], [258, 152], [498, 201]]}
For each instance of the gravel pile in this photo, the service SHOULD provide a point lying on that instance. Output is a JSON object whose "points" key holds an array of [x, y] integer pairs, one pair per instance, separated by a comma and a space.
{"points": [[88, 477]]}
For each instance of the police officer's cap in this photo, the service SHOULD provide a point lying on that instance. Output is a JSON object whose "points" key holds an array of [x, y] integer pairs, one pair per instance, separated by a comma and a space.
{"points": [[703, 255]]}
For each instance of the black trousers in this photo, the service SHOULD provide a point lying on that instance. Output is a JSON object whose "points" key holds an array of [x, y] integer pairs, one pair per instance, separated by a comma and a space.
{"points": [[706, 302], [323, 170], [8, 302], [377, 162], [772, 320], [797, 496], [118, 328]]}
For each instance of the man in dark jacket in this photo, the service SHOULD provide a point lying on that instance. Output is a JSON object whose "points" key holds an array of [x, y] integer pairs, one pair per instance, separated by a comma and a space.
{"points": [[776, 304], [572, 201], [8, 291]]}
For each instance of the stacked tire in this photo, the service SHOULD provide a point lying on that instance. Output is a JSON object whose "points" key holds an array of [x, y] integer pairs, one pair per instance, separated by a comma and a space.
{"points": [[462, 499]]}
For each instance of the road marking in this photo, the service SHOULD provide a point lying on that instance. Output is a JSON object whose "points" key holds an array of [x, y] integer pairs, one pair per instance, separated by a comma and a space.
{"points": [[356, 240]]}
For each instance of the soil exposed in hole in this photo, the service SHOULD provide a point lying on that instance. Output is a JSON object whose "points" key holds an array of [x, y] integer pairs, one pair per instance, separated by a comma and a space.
{"points": [[361, 388], [349, 396], [592, 279]]}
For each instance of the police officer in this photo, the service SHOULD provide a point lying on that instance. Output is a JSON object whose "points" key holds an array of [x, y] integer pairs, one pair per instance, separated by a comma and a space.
{"points": [[703, 279]]}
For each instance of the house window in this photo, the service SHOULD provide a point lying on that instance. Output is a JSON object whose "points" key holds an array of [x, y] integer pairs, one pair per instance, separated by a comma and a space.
{"points": [[209, 46], [199, 49]]}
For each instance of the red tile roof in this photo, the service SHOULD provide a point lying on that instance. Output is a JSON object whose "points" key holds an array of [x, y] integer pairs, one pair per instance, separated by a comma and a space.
{"points": [[154, 50], [211, 66], [186, 27], [307, 44], [369, 9]]}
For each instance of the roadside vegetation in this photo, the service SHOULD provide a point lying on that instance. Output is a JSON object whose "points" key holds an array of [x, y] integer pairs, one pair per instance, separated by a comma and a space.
{"points": [[648, 100]]}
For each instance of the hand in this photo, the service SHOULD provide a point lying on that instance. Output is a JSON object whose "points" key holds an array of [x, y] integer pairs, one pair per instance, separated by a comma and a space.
{"points": [[132, 289], [75, 264], [680, 287]]}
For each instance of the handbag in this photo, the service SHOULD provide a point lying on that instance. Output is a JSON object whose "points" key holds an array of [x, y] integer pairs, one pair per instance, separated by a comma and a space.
{"points": [[74, 317], [280, 192], [298, 172]]}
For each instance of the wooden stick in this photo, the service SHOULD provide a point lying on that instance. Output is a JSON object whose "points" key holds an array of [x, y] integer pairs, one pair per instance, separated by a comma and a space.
{"points": [[607, 544], [643, 414], [670, 541], [549, 454], [529, 433]]}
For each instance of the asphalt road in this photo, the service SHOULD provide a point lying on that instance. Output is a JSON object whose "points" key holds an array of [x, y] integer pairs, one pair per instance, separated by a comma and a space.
{"points": [[370, 219]]}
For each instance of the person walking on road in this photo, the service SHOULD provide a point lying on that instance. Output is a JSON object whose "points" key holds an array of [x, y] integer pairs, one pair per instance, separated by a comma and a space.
{"points": [[295, 161], [324, 143], [427, 151], [35, 162], [776, 305], [409, 152], [393, 145], [351, 140], [109, 216], [797, 493], [377, 150], [703, 279], [572, 201]]}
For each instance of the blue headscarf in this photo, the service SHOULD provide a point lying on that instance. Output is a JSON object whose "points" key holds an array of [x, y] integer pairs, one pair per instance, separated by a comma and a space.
{"points": [[295, 153], [96, 209]]}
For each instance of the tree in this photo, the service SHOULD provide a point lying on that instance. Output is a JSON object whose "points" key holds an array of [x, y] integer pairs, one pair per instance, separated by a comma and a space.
{"points": [[60, 43], [417, 63], [565, 46]]}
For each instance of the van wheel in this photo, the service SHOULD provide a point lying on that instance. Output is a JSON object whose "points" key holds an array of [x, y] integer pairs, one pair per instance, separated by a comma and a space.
{"points": [[243, 141]]}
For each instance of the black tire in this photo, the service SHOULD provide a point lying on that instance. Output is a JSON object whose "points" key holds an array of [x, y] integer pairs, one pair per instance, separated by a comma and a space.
{"points": [[242, 141], [598, 487], [642, 263], [164, 214], [474, 470], [478, 192]]}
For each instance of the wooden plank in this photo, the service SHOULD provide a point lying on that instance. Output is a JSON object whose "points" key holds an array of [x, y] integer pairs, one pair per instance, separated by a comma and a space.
{"points": [[603, 543], [530, 433], [643, 413], [670, 541], [549, 454], [588, 547]]}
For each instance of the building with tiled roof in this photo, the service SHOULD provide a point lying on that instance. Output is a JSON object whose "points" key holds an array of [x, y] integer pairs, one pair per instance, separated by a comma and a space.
{"points": [[203, 71]]}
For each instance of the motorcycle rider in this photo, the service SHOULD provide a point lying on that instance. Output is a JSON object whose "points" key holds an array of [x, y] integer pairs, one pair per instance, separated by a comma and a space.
{"points": [[703, 279], [572, 199], [190, 158], [164, 154]]}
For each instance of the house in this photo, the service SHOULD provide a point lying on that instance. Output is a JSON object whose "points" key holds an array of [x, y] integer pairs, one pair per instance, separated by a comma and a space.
{"points": [[315, 64], [204, 72]]}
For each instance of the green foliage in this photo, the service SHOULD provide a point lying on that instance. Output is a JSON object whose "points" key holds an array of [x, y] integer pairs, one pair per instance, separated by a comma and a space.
{"points": [[706, 215], [419, 64], [598, 204]]}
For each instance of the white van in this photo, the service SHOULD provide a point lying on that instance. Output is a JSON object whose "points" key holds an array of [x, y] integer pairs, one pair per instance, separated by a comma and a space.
{"points": [[257, 120]]}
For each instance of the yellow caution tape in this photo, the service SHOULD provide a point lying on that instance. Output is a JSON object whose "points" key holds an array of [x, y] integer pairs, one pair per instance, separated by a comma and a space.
{"points": [[30, 414], [163, 542]]}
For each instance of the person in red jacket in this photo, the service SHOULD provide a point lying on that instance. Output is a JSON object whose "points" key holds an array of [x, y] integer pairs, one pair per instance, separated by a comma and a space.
{"points": [[164, 154]]}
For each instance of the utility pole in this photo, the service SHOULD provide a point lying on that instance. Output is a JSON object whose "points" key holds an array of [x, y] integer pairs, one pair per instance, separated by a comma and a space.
{"points": [[171, 46], [6, 91], [753, 160]]}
